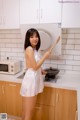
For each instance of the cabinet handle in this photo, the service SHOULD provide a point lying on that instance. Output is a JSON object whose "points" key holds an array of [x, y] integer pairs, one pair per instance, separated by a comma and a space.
{"points": [[37, 13], [2, 89], [57, 97], [0, 19], [38, 108], [4, 20], [12, 85], [41, 12], [76, 115]]}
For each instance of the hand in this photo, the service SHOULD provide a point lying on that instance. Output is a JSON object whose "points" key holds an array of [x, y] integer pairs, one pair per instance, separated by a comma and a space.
{"points": [[43, 72]]}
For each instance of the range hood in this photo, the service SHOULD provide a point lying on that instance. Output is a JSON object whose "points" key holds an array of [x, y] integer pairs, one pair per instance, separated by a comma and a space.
{"points": [[48, 34]]}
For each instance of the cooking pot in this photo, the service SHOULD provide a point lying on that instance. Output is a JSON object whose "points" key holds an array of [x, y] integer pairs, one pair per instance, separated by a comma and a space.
{"points": [[51, 73]]}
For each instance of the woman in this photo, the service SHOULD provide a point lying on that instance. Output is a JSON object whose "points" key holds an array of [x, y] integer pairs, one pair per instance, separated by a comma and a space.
{"points": [[32, 83]]}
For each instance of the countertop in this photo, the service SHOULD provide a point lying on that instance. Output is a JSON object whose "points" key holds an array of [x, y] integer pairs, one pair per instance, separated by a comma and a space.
{"points": [[68, 80]]}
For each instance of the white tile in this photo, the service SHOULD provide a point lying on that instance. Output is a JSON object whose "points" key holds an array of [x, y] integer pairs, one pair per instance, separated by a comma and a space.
{"points": [[20, 45], [70, 62], [71, 41], [77, 58], [70, 35], [11, 45], [3, 54], [64, 41], [6, 49], [16, 40], [20, 54], [73, 30], [77, 41], [64, 36], [67, 36], [76, 68], [10, 36], [11, 54], [2, 45], [72, 52], [10, 31], [64, 30], [63, 52], [2, 35], [77, 35], [49, 65], [65, 67], [66, 57], [58, 62], [17, 50], [68, 47], [18, 36], [77, 47]]}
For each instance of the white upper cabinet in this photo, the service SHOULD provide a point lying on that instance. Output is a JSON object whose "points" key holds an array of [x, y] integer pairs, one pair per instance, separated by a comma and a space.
{"points": [[9, 14], [1, 9], [50, 11], [71, 15], [40, 11], [29, 11]]}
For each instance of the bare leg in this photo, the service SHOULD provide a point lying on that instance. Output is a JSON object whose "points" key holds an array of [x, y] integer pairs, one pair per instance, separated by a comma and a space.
{"points": [[28, 107]]}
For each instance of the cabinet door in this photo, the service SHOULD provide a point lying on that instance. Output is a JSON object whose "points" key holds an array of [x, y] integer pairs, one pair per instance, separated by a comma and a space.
{"points": [[50, 11], [71, 15], [47, 97], [1, 13], [66, 104], [2, 97], [10, 14], [43, 112], [13, 99], [29, 11]]}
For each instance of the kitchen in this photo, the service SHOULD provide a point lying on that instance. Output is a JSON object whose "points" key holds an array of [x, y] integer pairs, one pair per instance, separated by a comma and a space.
{"points": [[11, 46]]}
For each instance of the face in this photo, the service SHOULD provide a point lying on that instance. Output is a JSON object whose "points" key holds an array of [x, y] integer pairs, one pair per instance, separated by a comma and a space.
{"points": [[34, 40]]}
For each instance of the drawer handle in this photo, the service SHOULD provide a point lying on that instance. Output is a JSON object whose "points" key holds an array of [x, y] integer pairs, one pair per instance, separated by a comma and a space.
{"points": [[12, 85], [57, 97], [3, 89], [38, 108]]}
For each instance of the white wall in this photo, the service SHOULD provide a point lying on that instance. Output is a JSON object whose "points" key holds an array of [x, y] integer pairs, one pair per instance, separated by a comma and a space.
{"points": [[11, 45]]}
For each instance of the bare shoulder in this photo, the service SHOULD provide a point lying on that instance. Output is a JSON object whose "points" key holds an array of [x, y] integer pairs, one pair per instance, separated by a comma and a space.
{"points": [[29, 50]]}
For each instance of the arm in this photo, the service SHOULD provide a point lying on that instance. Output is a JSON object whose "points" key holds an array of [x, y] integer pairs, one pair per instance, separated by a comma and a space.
{"points": [[31, 62], [30, 56]]}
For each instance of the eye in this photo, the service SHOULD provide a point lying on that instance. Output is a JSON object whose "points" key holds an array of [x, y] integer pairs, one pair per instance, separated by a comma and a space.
{"points": [[31, 37]]}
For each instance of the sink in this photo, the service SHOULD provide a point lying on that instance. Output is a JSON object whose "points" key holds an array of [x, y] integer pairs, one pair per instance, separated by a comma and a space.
{"points": [[21, 76]]}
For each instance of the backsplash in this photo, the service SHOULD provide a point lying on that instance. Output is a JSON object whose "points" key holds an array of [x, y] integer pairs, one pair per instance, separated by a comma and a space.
{"points": [[11, 45]]}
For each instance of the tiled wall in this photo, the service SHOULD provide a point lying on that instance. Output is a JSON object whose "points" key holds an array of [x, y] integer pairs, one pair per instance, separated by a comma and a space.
{"points": [[11, 45]]}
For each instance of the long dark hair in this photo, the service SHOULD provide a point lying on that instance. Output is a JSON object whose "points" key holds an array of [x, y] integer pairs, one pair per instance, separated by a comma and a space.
{"points": [[30, 33]]}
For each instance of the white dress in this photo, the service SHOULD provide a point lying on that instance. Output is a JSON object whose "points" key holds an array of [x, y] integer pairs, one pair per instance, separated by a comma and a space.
{"points": [[32, 83]]}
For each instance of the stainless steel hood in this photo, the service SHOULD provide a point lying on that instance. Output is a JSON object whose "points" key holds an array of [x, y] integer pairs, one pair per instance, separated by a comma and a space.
{"points": [[48, 34]]}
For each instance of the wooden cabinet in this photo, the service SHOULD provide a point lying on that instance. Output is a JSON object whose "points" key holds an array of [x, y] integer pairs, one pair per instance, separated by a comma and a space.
{"points": [[13, 99], [71, 15], [66, 104], [9, 14], [40, 11], [10, 99], [2, 97], [56, 104], [52, 104], [44, 112], [45, 107]]}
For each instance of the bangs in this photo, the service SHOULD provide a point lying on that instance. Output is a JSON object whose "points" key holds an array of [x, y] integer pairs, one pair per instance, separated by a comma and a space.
{"points": [[34, 34]]}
